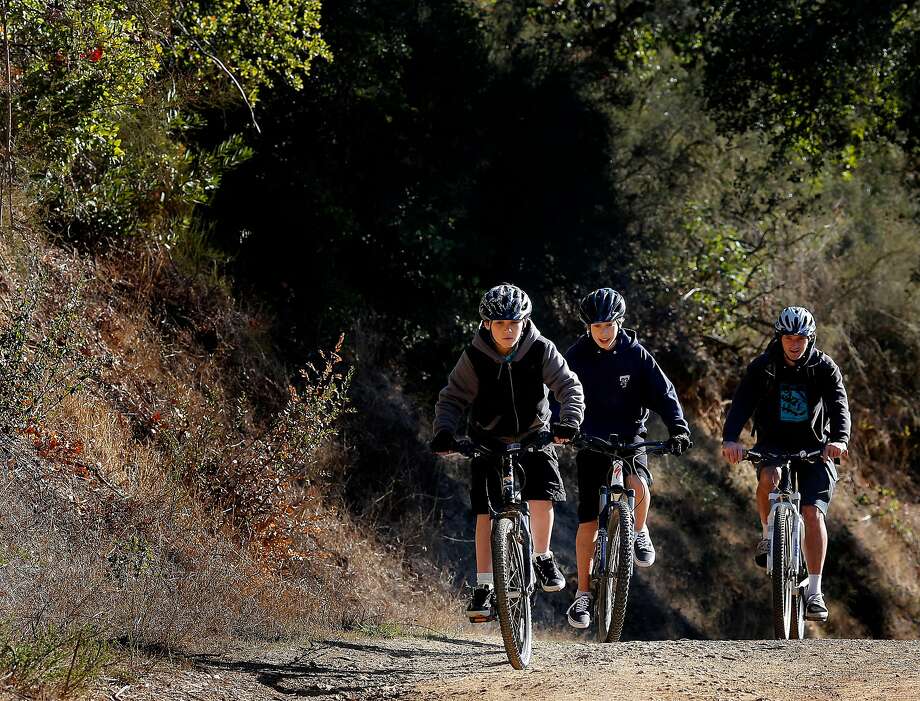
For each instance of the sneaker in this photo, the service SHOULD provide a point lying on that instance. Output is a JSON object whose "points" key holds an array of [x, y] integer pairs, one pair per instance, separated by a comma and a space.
{"points": [[815, 608], [548, 573], [482, 605], [763, 549], [579, 612], [645, 551]]}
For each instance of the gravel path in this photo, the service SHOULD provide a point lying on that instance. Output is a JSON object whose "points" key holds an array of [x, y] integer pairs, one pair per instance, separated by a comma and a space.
{"points": [[464, 668]]}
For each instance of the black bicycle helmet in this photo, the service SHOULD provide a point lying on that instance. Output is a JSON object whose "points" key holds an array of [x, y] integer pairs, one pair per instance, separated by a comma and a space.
{"points": [[795, 321], [505, 302], [601, 306]]}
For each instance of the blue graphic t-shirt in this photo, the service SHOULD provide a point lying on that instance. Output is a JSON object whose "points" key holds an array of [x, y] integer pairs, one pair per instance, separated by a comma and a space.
{"points": [[793, 403]]}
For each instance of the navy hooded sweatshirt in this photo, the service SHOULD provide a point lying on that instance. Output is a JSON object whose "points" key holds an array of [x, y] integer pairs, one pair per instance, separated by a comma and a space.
{"points": [[621, 385]]}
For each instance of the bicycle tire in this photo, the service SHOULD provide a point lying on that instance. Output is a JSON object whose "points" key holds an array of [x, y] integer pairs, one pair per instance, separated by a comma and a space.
{"points": [[782, 600], [511, 597], [613, 586]]}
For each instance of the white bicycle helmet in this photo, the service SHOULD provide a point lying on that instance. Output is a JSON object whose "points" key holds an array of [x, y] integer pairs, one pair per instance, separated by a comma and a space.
{"points": [[796, 321]]}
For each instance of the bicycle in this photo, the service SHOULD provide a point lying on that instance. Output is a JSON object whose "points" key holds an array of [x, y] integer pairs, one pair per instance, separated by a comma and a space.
{"points": [[512, 548], [612, 565], [785, 558]]}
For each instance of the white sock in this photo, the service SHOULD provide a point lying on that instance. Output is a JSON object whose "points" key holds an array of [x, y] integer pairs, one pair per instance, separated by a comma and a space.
{"points": [[484, 578], [814, 584], [581, 593], [765, 534], [543, 556]]}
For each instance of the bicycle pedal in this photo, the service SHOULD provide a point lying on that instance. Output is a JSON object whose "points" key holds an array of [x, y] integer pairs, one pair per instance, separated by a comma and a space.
{"points": [[482, 619]]}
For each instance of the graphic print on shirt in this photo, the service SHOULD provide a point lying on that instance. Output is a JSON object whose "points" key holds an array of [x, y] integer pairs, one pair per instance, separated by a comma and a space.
{"points": [[624, 380], [793, 403]]}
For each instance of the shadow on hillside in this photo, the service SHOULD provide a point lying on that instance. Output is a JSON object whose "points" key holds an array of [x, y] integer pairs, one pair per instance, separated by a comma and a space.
{"points": [[851, 579], [330, 667]]}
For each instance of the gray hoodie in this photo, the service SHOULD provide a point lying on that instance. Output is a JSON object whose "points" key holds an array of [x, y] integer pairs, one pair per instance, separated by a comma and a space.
{"points": [[508, 397]]}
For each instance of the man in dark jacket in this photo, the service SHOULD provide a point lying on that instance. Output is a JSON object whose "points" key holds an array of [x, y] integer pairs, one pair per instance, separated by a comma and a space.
{"points": [[621, 382], [503, 378], [797, 398]]}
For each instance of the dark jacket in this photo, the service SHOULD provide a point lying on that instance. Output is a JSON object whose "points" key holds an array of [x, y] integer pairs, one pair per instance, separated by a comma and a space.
{"points": [[508, 398], [621, 385], [794, 408]]}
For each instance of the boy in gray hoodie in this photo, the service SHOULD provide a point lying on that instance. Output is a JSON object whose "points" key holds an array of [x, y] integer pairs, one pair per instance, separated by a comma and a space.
{"points": [[503, 377]]}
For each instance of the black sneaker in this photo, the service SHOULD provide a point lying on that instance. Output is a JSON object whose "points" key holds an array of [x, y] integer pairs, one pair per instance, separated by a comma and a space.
{"points": [[763, 549], [548, 573], [579, 612], [816, 609], [481, 608], [645, 551]]}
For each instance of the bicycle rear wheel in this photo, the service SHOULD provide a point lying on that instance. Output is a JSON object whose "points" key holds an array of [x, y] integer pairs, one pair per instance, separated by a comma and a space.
{"points": [[613, 584], [782, 584], [511, 596]]}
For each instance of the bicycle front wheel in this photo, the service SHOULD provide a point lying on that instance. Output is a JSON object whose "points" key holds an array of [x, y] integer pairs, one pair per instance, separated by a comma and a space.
{"points": [[613, 583], [783, 582], [511, 596]]}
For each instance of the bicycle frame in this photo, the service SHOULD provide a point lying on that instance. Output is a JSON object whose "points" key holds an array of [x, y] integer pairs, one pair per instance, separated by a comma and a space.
{"points": [[512, 505], [612, 491], [786, 498]]}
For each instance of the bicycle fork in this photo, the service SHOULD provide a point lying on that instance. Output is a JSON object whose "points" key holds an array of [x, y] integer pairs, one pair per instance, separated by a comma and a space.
{"points": [[603, 521], [522, 534], [782, 502]]}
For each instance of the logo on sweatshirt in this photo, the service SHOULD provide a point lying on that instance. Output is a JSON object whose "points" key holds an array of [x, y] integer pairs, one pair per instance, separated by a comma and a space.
{"points": [[624, 380]]}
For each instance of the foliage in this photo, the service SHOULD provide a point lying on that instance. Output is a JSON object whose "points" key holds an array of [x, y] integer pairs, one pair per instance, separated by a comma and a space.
{"points": [[260, 43], [107, 92], [59, 660], [820, 79], [42, 361], [262, 483]]}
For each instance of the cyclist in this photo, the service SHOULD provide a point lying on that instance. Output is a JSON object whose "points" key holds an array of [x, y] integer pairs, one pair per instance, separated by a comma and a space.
{"points": [[621, 382], [797, 398], [503, 376]]}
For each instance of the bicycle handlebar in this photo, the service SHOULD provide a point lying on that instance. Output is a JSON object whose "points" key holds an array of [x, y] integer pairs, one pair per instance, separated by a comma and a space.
{"points": [[757, 456], [616, 448], [474, 449]]}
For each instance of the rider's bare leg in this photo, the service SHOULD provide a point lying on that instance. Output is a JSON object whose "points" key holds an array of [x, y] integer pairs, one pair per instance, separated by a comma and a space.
{"points": [[483, 543], [541, 523], [815, 539], [584, 552], [769, 479], [643, 499]]}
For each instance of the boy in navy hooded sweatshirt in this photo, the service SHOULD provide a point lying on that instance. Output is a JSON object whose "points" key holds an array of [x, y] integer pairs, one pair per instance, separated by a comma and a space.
{"points": [[621, 382]]}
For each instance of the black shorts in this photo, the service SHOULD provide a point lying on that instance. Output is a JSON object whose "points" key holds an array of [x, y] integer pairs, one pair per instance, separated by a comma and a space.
{"points": [[816, 482], [592, 472], [542, 480]]}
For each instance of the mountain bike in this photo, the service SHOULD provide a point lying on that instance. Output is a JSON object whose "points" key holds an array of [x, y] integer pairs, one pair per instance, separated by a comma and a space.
{"points": [[786, 557], [512, 548], [612, 565]]}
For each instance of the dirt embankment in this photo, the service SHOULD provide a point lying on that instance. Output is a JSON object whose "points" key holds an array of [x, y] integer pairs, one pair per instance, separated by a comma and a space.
{"points": [[463, 668]]}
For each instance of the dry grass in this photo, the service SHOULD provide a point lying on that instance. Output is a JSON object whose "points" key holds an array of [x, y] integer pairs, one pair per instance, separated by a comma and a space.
{"points": [[157, 506]]}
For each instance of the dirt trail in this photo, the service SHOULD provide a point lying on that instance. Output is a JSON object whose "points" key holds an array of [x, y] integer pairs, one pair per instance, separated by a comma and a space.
{"points": [[464, 668]]}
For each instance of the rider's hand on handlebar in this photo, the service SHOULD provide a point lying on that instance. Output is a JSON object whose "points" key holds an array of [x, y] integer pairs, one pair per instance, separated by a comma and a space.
{"points": [[834, 450], [563, 433], [732, 451], [443, 443], [679, 443]]}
